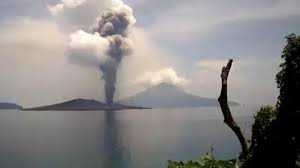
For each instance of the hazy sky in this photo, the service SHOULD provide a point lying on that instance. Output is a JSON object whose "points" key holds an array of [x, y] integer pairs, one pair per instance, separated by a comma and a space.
{"points": [[184, 42]]}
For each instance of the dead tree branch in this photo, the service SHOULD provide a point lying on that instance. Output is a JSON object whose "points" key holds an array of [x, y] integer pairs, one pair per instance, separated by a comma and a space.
{"points": [[228, 119]]}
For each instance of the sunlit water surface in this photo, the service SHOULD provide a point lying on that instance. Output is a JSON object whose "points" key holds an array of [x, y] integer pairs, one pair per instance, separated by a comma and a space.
{"points": [[123, 139]]}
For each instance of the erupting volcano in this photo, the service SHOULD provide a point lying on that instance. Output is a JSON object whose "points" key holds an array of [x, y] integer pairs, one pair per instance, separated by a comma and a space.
{"points": [[106, 45]]}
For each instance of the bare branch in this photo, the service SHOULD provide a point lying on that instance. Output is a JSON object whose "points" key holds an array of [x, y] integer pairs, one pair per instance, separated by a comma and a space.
{"points": [[228, 119]]}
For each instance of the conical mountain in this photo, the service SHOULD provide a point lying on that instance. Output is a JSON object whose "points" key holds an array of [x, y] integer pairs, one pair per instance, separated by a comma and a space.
{"points": [[169, 96]]}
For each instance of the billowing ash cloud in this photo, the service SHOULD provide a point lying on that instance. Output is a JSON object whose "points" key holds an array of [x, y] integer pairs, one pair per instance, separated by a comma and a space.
{"points": [[117, 20], [107, 46]]}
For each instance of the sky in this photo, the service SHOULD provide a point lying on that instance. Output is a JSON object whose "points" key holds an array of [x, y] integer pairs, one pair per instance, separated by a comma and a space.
{"points": [[182, 42]]}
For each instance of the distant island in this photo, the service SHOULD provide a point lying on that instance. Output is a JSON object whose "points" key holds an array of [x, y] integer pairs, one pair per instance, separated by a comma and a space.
{"points": [[82, 105], [159, 96], [170, 96], [10, 106]]}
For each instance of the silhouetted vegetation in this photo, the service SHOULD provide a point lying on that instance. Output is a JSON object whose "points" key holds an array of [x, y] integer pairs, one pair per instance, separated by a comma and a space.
{"points": [[280, 147], [260, 129], [275, 134], [262, 123], [206, 161]]}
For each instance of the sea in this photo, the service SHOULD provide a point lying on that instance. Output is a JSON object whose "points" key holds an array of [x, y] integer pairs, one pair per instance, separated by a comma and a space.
{"points": [[117, 139]]}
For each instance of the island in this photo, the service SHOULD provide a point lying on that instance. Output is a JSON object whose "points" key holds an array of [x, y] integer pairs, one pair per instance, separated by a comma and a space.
{"points": [[10, 106], [83, 105]]}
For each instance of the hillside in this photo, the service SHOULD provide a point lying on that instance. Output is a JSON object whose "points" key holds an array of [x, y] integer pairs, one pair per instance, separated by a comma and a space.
{"points": [[169, 96], [9, 106], [82, 105]]}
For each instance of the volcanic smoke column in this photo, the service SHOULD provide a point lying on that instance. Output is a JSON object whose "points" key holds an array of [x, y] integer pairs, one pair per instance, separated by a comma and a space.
{"points": [[114, 25]]}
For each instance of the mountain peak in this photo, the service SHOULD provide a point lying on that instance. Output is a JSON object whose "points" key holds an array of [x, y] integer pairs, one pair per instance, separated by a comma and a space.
{"points": [[165, 89], [166, 85], [166, 95]]}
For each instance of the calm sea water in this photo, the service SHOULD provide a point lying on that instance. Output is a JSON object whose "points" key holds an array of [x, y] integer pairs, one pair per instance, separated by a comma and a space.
{"points": [[123, 139]]}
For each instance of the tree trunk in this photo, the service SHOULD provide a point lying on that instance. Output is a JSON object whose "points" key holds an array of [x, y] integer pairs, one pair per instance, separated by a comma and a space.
{"points": [[228, 119]]}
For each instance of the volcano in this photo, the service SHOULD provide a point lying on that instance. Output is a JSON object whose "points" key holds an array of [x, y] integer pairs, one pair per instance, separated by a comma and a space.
{"points": [[170, 96]]}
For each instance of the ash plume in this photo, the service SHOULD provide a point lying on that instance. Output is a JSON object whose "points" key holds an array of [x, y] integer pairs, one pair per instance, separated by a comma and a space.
{"points": [[114, 25], [108, 44], [118, 48]]}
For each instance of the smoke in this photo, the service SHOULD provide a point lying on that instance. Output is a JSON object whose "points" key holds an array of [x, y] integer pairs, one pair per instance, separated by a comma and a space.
{"points": [[107, 46]]}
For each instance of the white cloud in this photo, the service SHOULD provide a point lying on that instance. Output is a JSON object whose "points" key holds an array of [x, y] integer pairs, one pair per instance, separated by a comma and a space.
{"points": [[73, 3], [89, 47], [166, 75], [72, 15], [56, 9], [81, 39], [60, 7]]}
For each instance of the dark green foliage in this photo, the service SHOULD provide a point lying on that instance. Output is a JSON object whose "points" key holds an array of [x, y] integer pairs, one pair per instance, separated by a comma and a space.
{"points": [[288, 81], [207, 161], [261, 130], [262, 124], [288, 78], [280, 146]]}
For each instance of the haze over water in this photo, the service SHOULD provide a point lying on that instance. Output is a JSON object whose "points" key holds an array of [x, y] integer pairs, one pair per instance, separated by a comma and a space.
{"points": [[135, 138]]}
